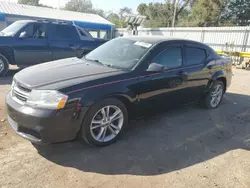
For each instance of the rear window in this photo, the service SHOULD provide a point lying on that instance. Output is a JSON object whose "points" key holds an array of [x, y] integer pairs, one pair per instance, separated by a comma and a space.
{"points": [[195, 55], [66, 32]]}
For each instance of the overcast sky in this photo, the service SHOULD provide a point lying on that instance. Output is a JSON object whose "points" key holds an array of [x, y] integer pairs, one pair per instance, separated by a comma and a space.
{"points": [[106, 5]]}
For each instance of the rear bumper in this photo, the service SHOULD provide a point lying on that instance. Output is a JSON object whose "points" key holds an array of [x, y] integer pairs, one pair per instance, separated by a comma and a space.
{"points": [[42, 126]]}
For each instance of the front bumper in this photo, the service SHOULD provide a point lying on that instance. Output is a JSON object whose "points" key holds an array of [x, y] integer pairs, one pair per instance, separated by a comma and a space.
{"points": [[42, 126]]}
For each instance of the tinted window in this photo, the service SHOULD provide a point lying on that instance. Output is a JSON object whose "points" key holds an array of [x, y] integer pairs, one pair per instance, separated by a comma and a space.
{"points": [[35, 30], [29, 30], [66, 32], [195, 55], [170, 58]]}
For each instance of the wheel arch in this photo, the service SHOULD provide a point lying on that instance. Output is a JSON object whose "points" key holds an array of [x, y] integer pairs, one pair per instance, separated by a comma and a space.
{"points": [[126, 100], [219, 75], [8, 53]]}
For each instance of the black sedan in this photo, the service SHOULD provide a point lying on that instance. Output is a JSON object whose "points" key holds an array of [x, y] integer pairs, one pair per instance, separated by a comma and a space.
{"points": [[92, 98]]}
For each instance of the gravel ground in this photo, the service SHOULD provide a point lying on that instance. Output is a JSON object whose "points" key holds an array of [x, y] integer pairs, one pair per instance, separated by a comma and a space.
{"points": [[185, 147]]}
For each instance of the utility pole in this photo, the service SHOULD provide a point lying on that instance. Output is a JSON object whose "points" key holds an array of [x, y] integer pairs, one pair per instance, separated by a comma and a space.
{"points": [[176, 2]]}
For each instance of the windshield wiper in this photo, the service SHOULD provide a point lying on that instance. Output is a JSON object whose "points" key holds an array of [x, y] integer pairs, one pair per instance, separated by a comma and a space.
{"points": [[104, 64], [113, 66], [94, 60]]}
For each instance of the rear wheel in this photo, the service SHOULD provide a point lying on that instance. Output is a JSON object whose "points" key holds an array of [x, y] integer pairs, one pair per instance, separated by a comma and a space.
{"points": [[104, 122], [4, 65], [215, 95]]}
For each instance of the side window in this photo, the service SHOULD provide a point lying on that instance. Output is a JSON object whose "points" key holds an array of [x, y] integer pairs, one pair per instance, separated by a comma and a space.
{"points": [[93, 33], [66, 32], [170, 58], [29, 30], [36, 31], [195, 55], [103, 34]]}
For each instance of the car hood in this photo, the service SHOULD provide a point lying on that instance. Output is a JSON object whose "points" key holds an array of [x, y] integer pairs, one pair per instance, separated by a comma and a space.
{"points": [[61, 71], [4, 37]]}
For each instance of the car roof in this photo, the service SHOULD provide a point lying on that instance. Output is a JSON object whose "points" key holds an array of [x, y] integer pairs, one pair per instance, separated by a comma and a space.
{"points": [[150, 39], [26, 21], [47, 21], [159, 39]]}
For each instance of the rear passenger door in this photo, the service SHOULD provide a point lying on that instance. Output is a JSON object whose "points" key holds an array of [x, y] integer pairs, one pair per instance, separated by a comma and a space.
{"points": [[194, 60], [64, 41]]}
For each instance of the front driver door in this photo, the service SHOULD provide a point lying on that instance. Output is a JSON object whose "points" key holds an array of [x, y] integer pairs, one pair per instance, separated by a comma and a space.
{"points": [[33, 48], [164, 88]]}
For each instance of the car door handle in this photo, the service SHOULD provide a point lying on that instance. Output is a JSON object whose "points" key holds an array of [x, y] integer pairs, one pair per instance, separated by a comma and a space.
{"points": [[74, 47], [210, 67]]}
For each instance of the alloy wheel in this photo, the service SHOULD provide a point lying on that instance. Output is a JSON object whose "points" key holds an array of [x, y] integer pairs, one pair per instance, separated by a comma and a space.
{"points": [[216, 96], [1, 65], [107, 123]]}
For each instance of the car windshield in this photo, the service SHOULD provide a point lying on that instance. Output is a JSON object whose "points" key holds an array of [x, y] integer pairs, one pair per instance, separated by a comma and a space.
{"points": [[119, 53], [12, 29]]}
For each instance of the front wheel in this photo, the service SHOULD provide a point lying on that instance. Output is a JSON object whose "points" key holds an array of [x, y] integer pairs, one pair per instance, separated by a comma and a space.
{"points": [[215, 95], [104, 122], [4, 65]]}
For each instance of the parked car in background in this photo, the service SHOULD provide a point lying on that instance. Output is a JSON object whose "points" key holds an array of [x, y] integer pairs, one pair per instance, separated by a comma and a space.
{"points": [[30, 42], [94, 97]]}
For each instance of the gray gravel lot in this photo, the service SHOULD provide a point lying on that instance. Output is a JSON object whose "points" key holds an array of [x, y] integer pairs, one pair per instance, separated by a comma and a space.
{"points": [[185, 147]]}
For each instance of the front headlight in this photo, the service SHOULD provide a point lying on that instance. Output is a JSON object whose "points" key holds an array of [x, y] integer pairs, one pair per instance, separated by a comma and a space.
{"points": [[47, 99], [12, 84]]}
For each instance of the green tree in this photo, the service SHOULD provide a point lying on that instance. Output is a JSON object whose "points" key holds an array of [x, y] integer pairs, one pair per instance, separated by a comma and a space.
{"points": [[142, 9], [124, 11], [100, 12], [113, 16], [237, 12], [115, 19], [79, 6], [32, 3], [206, 13], [158, 14], [118, 19], [161, 14], [29, 2], [85, 6]]}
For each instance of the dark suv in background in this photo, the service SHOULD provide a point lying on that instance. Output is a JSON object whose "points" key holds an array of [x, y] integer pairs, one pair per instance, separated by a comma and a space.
{"points": [[30, 42]]}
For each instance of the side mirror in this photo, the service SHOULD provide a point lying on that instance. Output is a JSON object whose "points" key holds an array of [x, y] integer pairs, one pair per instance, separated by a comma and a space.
{"points": [[154, 67], [23, 35]]}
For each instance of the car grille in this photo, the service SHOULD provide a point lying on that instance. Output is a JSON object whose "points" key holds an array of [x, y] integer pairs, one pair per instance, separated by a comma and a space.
{"points": [[19, 93]]}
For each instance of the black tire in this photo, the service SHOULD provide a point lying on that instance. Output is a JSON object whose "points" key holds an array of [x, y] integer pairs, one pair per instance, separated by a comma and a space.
{"points": [[85, 133], [207, 99], [4, 65]]}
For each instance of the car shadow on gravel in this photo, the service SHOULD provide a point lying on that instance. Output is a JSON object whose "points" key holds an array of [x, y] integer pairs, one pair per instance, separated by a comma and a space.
{"points": [[165, 142]]}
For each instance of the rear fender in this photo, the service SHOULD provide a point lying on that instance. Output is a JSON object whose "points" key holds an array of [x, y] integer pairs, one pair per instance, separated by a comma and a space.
{"points": [[218, 74]]}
